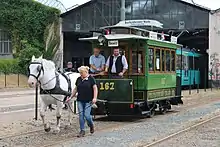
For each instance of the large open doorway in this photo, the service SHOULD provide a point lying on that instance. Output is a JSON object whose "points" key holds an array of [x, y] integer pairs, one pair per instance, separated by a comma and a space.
{"points": [[76, 51]]}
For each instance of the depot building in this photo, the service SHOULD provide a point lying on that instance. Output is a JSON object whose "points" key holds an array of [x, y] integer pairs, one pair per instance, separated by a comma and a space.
{"points": [[165, 15]]}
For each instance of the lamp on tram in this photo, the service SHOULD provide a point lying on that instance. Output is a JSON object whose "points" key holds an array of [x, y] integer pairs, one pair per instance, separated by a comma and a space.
{"points": [[101, 39]]}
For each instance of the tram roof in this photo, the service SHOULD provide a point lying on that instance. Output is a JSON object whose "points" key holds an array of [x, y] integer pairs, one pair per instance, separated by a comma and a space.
{"points": [[115, 36], [124, 37], [128, 27]]}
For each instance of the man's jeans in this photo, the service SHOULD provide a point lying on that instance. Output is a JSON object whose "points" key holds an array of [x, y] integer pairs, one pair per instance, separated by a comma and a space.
{"points": [[84, 110]]}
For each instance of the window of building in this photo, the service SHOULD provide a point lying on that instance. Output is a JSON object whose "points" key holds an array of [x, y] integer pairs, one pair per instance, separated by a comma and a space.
{"points": [[137, 62], [5, 42], [151, 59], [157, 60], [167, 60]]}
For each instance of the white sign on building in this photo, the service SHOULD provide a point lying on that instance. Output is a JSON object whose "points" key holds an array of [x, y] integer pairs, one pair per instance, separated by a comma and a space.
{"points": [[181, 25], [77, 27]]}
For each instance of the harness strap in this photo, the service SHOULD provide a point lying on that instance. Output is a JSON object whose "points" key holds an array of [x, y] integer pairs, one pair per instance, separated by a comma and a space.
{"points": [[57, 90]]}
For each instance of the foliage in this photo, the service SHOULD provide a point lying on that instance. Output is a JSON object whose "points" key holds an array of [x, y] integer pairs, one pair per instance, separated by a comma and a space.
{"points": [[9, 66], [52, 41], [26, 20], [25, 55]]}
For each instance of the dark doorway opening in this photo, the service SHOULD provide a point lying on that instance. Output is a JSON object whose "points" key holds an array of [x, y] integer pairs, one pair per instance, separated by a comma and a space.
{"points": [[76, 51]]}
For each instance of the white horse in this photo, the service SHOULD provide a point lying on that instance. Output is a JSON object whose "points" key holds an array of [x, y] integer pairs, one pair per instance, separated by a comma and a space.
{"points": [[44, 72]]}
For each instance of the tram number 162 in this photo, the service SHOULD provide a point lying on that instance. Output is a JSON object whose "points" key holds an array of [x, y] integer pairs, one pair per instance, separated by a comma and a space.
{"points": [[107, 86]]}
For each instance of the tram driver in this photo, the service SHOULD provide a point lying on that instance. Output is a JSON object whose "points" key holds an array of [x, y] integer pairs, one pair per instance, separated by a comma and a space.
{"points": [[116, 64], [97, 62]]}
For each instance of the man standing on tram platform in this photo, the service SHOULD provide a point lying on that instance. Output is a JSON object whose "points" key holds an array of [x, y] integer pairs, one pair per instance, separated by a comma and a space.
{"points": [[116, 64], [97, 62]]}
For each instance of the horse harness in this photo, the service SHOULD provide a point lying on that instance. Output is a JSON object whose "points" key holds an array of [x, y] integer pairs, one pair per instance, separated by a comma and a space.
{"points": [[57, 89], [39, 69]]}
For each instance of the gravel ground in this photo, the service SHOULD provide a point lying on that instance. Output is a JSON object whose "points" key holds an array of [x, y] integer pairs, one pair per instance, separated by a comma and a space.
{"points": [[136, 131], [145, 132], [206, 135]]}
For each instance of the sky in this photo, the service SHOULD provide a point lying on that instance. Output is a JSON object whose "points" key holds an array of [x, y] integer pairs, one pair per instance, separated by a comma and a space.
{"points": [[212, 4]]}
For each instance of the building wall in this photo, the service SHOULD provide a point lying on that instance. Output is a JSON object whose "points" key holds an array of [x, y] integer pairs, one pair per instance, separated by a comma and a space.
{"points": [[171, 13], [214, 45]]}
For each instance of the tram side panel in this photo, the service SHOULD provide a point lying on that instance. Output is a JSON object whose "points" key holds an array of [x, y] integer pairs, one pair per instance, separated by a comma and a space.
{"points": [[161, 86], [116, 97]]}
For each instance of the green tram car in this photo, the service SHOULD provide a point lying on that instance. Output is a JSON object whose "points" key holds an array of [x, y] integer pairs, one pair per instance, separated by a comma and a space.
{"points": [[150, 84]]}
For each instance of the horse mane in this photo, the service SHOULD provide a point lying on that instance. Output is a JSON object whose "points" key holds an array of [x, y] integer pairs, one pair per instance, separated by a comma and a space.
{"points": [[47, 64]]}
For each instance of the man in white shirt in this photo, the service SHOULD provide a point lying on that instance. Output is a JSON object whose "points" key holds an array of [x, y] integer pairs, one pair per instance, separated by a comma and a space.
{"points": [[116, 64]]}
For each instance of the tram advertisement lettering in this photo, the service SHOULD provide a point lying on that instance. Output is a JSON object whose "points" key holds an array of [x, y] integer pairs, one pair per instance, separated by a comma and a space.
{"points": [[107, 86]]}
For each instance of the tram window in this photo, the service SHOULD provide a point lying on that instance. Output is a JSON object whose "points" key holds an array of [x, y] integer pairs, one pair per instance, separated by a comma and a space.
{"points": [[137, 62], [163, 60], [151, 59], [157, 60], [167, 60], [173, 61]]}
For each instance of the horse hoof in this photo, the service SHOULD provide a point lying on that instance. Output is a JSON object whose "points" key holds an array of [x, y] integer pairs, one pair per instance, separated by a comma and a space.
{"points": [[47, 129], [56, 131]]}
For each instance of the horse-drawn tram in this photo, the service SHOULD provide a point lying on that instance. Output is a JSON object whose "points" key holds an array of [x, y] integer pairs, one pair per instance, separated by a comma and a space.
{"points": [[150, 82]]}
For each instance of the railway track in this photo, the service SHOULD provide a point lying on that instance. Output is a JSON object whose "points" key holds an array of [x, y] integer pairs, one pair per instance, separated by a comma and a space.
{"points": [[180, 132], [51, 142], [59, 138]]}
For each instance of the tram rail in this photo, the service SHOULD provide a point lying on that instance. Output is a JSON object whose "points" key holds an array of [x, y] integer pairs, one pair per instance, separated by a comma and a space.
{"points": [[180, 132]]}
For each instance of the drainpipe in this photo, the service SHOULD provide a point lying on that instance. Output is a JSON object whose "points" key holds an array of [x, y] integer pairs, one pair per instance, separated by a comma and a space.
{"points": [[61, 53], [122, 10]]}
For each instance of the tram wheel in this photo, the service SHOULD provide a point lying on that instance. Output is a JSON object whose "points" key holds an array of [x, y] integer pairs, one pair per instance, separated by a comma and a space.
{"points": [[162, 110], [152, 113]]}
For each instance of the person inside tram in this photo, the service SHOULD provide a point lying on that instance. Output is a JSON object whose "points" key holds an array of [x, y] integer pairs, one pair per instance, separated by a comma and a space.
{"points": [[96, 61], [116, 64]]}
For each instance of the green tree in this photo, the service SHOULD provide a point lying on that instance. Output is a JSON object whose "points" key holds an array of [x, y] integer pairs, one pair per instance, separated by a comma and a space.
{"points": [[25, 55], [27, 20]]}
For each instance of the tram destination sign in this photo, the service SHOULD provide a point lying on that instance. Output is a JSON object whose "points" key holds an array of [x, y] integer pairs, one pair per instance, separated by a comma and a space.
{"points": [[113, 43], [140, 22]]}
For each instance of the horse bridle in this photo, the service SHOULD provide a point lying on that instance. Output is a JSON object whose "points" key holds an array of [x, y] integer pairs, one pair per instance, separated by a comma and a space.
{"points": [[39, 69]]}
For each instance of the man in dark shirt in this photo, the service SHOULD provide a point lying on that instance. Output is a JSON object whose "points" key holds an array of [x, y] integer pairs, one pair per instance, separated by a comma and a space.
{"points": [[69, 67]]}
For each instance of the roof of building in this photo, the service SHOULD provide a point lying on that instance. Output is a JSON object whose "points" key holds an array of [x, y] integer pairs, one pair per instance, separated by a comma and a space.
{"points": [[215, 11], [188, 2]]}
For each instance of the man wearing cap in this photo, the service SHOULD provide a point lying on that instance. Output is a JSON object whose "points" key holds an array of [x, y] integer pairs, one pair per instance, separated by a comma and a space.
{"points": [[116, 64], [97, 62], [69, 67]]}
